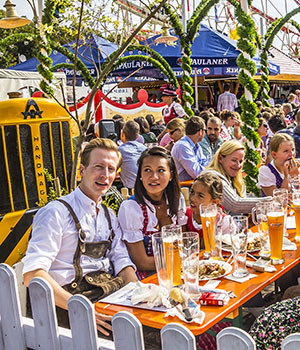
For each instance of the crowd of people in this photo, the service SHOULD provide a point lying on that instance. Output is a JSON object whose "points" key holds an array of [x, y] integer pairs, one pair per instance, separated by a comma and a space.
{"points": [[80, 246]]}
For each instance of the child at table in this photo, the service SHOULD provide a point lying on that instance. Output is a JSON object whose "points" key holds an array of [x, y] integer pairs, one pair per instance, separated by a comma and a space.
{"points": [[206, 189], [276, 173]]}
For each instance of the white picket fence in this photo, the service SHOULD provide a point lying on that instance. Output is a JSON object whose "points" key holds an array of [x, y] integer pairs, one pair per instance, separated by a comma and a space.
{"points": [[18, 332]]}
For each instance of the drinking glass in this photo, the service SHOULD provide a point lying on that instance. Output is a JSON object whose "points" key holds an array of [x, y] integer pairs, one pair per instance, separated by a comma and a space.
{"points": [[296, 207], [275, 217], [294, 183], [163, 258], [281, 195], [208, 215], [172, 235], [189, 251], [239, 228], [216, 243], [259, 218]]}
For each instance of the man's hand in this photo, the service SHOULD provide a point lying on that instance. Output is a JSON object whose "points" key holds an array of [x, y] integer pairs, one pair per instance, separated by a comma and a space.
{"points": [[102, 325]]}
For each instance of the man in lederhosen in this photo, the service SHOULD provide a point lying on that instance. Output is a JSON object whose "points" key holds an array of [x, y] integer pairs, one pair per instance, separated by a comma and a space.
{"points": [[76, 242]]}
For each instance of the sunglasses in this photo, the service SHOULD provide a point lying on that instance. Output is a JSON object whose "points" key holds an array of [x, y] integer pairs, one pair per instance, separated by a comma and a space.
{"points": [[172, 132], [265, 125]]}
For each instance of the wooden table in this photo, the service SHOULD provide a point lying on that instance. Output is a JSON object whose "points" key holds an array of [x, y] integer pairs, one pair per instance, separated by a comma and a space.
{"points": [[213, 314]]}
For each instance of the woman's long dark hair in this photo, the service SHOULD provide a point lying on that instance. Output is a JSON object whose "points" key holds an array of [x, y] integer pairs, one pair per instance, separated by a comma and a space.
{"points": [[172, 191]]}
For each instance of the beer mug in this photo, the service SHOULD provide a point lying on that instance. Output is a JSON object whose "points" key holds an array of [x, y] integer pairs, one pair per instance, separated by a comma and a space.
{"points": [[296, 207], [172, 236], [238, 233], [163, 259], [275, 217], [259, 218], [281, 195], [208, 215]]}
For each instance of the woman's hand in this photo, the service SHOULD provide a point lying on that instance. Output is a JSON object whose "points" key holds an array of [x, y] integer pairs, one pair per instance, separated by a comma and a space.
{"points": [[102, 325], [293, 169]]}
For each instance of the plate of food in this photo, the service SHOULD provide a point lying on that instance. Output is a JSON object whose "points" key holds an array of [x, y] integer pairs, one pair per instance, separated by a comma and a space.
{"points": [[253, 242], [210, 269]]}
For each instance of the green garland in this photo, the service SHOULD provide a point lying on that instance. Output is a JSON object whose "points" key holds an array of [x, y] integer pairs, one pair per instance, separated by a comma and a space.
{"points": [[155, 55], [247, 34], [79, 65], [142, 58], [269, 38], [187, 81]]}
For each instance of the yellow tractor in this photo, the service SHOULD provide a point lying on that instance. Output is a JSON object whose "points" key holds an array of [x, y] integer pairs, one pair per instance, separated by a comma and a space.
{"points": [[35, 134]]}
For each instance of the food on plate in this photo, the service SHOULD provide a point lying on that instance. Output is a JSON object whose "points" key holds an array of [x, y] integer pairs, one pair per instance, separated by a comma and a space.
{"points": [[211, 270], [176, 295], [254, 244]]}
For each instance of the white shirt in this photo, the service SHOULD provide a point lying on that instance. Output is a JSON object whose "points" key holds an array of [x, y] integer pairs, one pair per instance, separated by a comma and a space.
{"points": [[265, 176], [54, 239], [177, 107], [131, 219]]}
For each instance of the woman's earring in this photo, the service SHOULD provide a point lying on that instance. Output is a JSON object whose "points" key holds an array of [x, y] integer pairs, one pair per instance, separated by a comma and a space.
{"points": [[140, 178]]}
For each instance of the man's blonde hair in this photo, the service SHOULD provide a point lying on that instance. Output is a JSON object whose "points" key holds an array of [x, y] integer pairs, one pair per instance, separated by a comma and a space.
{"points": [[226, 149], [101, 143]]}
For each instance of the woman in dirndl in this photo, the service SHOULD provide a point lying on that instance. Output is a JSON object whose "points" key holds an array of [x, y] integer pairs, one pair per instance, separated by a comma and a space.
{"points": [[157, 202]]}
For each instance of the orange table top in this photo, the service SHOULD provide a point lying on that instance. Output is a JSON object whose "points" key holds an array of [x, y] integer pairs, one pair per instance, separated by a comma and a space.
{"points": [[186, 183], [213, 314]]}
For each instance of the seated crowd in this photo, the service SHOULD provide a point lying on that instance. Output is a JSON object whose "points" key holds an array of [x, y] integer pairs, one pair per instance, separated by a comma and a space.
{"points": [[84, 238]]}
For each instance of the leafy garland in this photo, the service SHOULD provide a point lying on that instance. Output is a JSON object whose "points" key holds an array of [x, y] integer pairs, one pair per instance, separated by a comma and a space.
{"points": [[269, 38], [158, 61], [247, 34], [142, 58], [71, 56], [187, 81]]}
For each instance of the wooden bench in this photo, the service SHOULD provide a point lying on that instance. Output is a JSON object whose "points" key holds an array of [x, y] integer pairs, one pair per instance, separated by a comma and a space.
{"points": [[19, 333]]}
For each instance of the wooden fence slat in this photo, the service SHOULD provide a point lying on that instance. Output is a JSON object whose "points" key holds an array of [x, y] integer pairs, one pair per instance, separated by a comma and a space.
{"points": [[83, 323], [11, 323], [175, 336], [127, 331], [232, 338], [291, 342], [44, 314]]}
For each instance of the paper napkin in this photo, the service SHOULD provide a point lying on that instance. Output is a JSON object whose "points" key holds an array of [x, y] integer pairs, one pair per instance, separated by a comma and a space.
{"points": [[242, 279]]}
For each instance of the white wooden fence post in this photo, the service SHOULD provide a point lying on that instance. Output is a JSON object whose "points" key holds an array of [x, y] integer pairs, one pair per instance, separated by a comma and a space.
{"points": [[44, 314], [10, 310], [232, 338], [127, 332], [291, 342], [83, 323], [175, 336]]}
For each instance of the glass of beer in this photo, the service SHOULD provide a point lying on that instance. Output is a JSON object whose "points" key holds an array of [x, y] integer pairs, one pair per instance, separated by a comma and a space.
{"points": [[208, 220], [189, 250], [275, 217], [259, 218], [172, 235], [163, 258], [296, 207], [281, 195], [238, 232]]}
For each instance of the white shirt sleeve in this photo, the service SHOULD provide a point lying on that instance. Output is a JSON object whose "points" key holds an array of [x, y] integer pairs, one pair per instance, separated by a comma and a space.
{"points": [[179, 110], [45, 244], [131, 220], [118, 254], [265, 177]]}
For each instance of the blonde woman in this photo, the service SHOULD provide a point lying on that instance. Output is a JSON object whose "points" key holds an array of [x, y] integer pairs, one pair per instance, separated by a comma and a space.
{"points": [[227, 163]]}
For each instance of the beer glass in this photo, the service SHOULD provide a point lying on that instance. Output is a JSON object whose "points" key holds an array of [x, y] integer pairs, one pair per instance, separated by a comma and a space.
{"points": [[216, 249], [294, 183], [281, 195], [208, 220], [296, 207], [259, 218], [275, 217], [238, 231], [163, 258], [189, 251], [172, 235]]}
